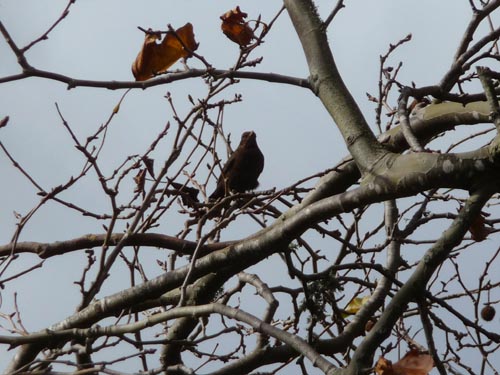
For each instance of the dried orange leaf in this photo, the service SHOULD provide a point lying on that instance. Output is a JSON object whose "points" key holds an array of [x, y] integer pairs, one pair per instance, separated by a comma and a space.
{"points": [[235, 27], [414, 363], [384, 367], [155, 58]]}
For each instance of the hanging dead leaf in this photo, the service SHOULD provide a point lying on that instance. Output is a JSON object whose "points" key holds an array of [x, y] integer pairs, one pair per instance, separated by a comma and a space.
{"points": [[155, 58], [235, 27], [140, 179], [149, 163], [384, 367], [413, 363], [478, 229]]}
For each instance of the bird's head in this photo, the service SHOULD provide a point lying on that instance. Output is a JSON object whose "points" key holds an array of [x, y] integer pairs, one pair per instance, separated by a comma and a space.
{"points": [[248, 139]]}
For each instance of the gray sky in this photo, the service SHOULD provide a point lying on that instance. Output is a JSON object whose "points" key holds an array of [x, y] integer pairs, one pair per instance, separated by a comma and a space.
{"points": [[99, 40]]}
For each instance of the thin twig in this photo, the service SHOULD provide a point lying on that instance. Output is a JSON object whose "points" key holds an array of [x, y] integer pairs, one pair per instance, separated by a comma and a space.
{"points": [[45, 35], [333, 13]]}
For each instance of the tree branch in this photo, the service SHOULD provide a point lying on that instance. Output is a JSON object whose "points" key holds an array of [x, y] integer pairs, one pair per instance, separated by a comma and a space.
{"points": [[47, 250], [415, 286], [329, 86], [429, 172], [158, 80]]}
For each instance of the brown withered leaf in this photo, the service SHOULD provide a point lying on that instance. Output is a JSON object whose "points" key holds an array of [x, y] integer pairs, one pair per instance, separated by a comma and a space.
{"points": [[235, 27], [140, 179], [413, 363], [155, 58], [384, 367], [478, 229], [149, 163]]}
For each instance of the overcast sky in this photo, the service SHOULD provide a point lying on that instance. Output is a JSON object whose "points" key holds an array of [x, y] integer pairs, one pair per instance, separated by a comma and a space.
{"points": [[99, 40]]}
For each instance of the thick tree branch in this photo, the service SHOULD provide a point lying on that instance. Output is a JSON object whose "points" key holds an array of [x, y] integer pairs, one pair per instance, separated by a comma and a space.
{"points": [[178, 313], [426, 124], [329, 86]]}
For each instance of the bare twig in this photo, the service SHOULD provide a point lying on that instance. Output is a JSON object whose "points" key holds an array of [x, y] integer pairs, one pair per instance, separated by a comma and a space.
{"points": [[45, 35], [333, 13]]}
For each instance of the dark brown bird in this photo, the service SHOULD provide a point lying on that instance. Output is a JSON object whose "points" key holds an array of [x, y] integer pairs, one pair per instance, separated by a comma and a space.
{"points": [[243, 168]]}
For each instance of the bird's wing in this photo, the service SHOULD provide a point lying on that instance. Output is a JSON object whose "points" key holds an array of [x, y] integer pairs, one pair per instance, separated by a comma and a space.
{"points": [[229, 165]]}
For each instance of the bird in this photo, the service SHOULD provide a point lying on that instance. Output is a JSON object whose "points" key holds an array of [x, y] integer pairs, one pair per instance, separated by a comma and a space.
{"points": [[242, 169]]}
